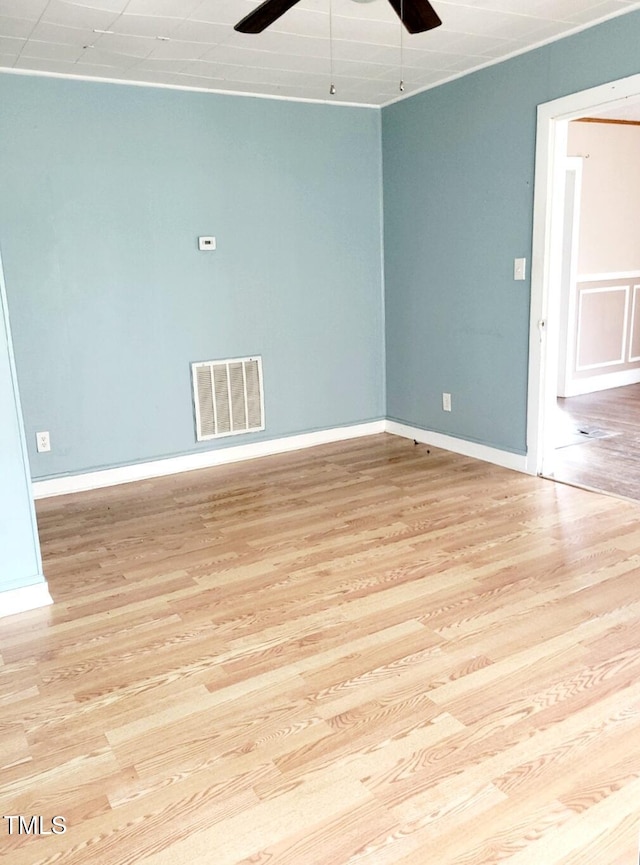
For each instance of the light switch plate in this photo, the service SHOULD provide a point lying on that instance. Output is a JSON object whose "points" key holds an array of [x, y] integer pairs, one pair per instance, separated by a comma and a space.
{"points": [[206, 243], [520, 268]]}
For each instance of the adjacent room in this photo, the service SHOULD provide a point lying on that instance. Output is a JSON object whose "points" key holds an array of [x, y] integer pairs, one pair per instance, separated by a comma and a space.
{"points": [[599, 346], [279, 579]]}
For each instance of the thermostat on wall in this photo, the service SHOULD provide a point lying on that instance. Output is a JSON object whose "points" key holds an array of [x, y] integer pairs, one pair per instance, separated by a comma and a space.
{"points": [[206, 243]]}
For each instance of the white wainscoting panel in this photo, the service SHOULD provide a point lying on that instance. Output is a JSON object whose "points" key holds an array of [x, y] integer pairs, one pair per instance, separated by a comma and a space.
{"points": [[634, 338], [602, 326]]}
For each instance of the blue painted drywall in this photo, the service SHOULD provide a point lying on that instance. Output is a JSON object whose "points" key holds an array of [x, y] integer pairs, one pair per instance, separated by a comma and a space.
{"points": [[105, 189], [458, 171], [20, 563]]}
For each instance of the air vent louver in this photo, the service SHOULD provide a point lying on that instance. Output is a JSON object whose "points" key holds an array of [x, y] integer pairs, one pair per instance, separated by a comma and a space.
{"points": [[228, 397]]}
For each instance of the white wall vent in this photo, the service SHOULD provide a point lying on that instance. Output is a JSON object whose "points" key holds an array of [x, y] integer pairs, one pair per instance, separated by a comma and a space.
{"points": [[228, 397]]}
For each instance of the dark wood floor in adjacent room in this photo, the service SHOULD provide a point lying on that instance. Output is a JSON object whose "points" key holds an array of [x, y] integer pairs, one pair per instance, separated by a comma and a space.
{"points": [[370, 653], [609, 464]]}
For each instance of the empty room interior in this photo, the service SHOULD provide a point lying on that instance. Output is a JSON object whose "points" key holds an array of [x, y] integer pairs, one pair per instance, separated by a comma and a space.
{"points": [[302, 326]]}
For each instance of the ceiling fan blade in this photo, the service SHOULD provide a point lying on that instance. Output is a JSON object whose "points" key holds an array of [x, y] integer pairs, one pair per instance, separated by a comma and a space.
{"points": [[264, 15], [416, 15]]}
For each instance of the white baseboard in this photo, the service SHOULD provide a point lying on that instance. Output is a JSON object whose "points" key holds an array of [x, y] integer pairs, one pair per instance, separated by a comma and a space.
{"points": [[604, 381], [507, 460], [204, 459], [27, 598]]}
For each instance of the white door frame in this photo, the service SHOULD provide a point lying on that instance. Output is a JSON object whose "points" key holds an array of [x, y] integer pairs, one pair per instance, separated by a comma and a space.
{"points": [[546, 259], [570, 240]]}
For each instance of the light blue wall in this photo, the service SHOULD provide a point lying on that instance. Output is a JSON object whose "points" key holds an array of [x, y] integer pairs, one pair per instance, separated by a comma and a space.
{"points": [[105, 188], [20, 563], [104, 191], [458, 170]]}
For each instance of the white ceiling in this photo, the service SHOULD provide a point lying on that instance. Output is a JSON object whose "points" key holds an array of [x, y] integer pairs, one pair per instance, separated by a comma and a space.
{"points": [[192, 43]]}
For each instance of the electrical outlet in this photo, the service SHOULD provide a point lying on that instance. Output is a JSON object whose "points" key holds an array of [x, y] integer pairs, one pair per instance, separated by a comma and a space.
{"points": [[43, 442], [446, 402]]}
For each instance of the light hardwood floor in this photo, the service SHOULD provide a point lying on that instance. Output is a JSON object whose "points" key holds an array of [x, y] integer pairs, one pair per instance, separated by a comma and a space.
{"points": [[365, 653]]}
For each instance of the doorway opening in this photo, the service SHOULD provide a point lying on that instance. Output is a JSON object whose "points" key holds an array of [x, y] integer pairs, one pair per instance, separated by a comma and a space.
{"points": [[584, 359]]}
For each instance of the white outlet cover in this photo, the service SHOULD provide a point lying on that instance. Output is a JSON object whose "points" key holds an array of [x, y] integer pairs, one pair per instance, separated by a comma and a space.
{"points": [[43, 442], [206, 244]]}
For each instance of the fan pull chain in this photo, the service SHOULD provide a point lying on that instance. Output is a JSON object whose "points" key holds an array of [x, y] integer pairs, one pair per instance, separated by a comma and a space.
{"points": [[332, 87], [401, 87]]}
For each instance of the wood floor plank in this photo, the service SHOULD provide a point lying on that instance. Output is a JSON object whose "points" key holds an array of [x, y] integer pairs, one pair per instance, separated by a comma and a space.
{"points": [[370, 652], [611, 464]]}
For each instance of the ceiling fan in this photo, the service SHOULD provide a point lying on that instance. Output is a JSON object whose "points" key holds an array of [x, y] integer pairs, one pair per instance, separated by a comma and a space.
{"points": [[416, 15]]}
